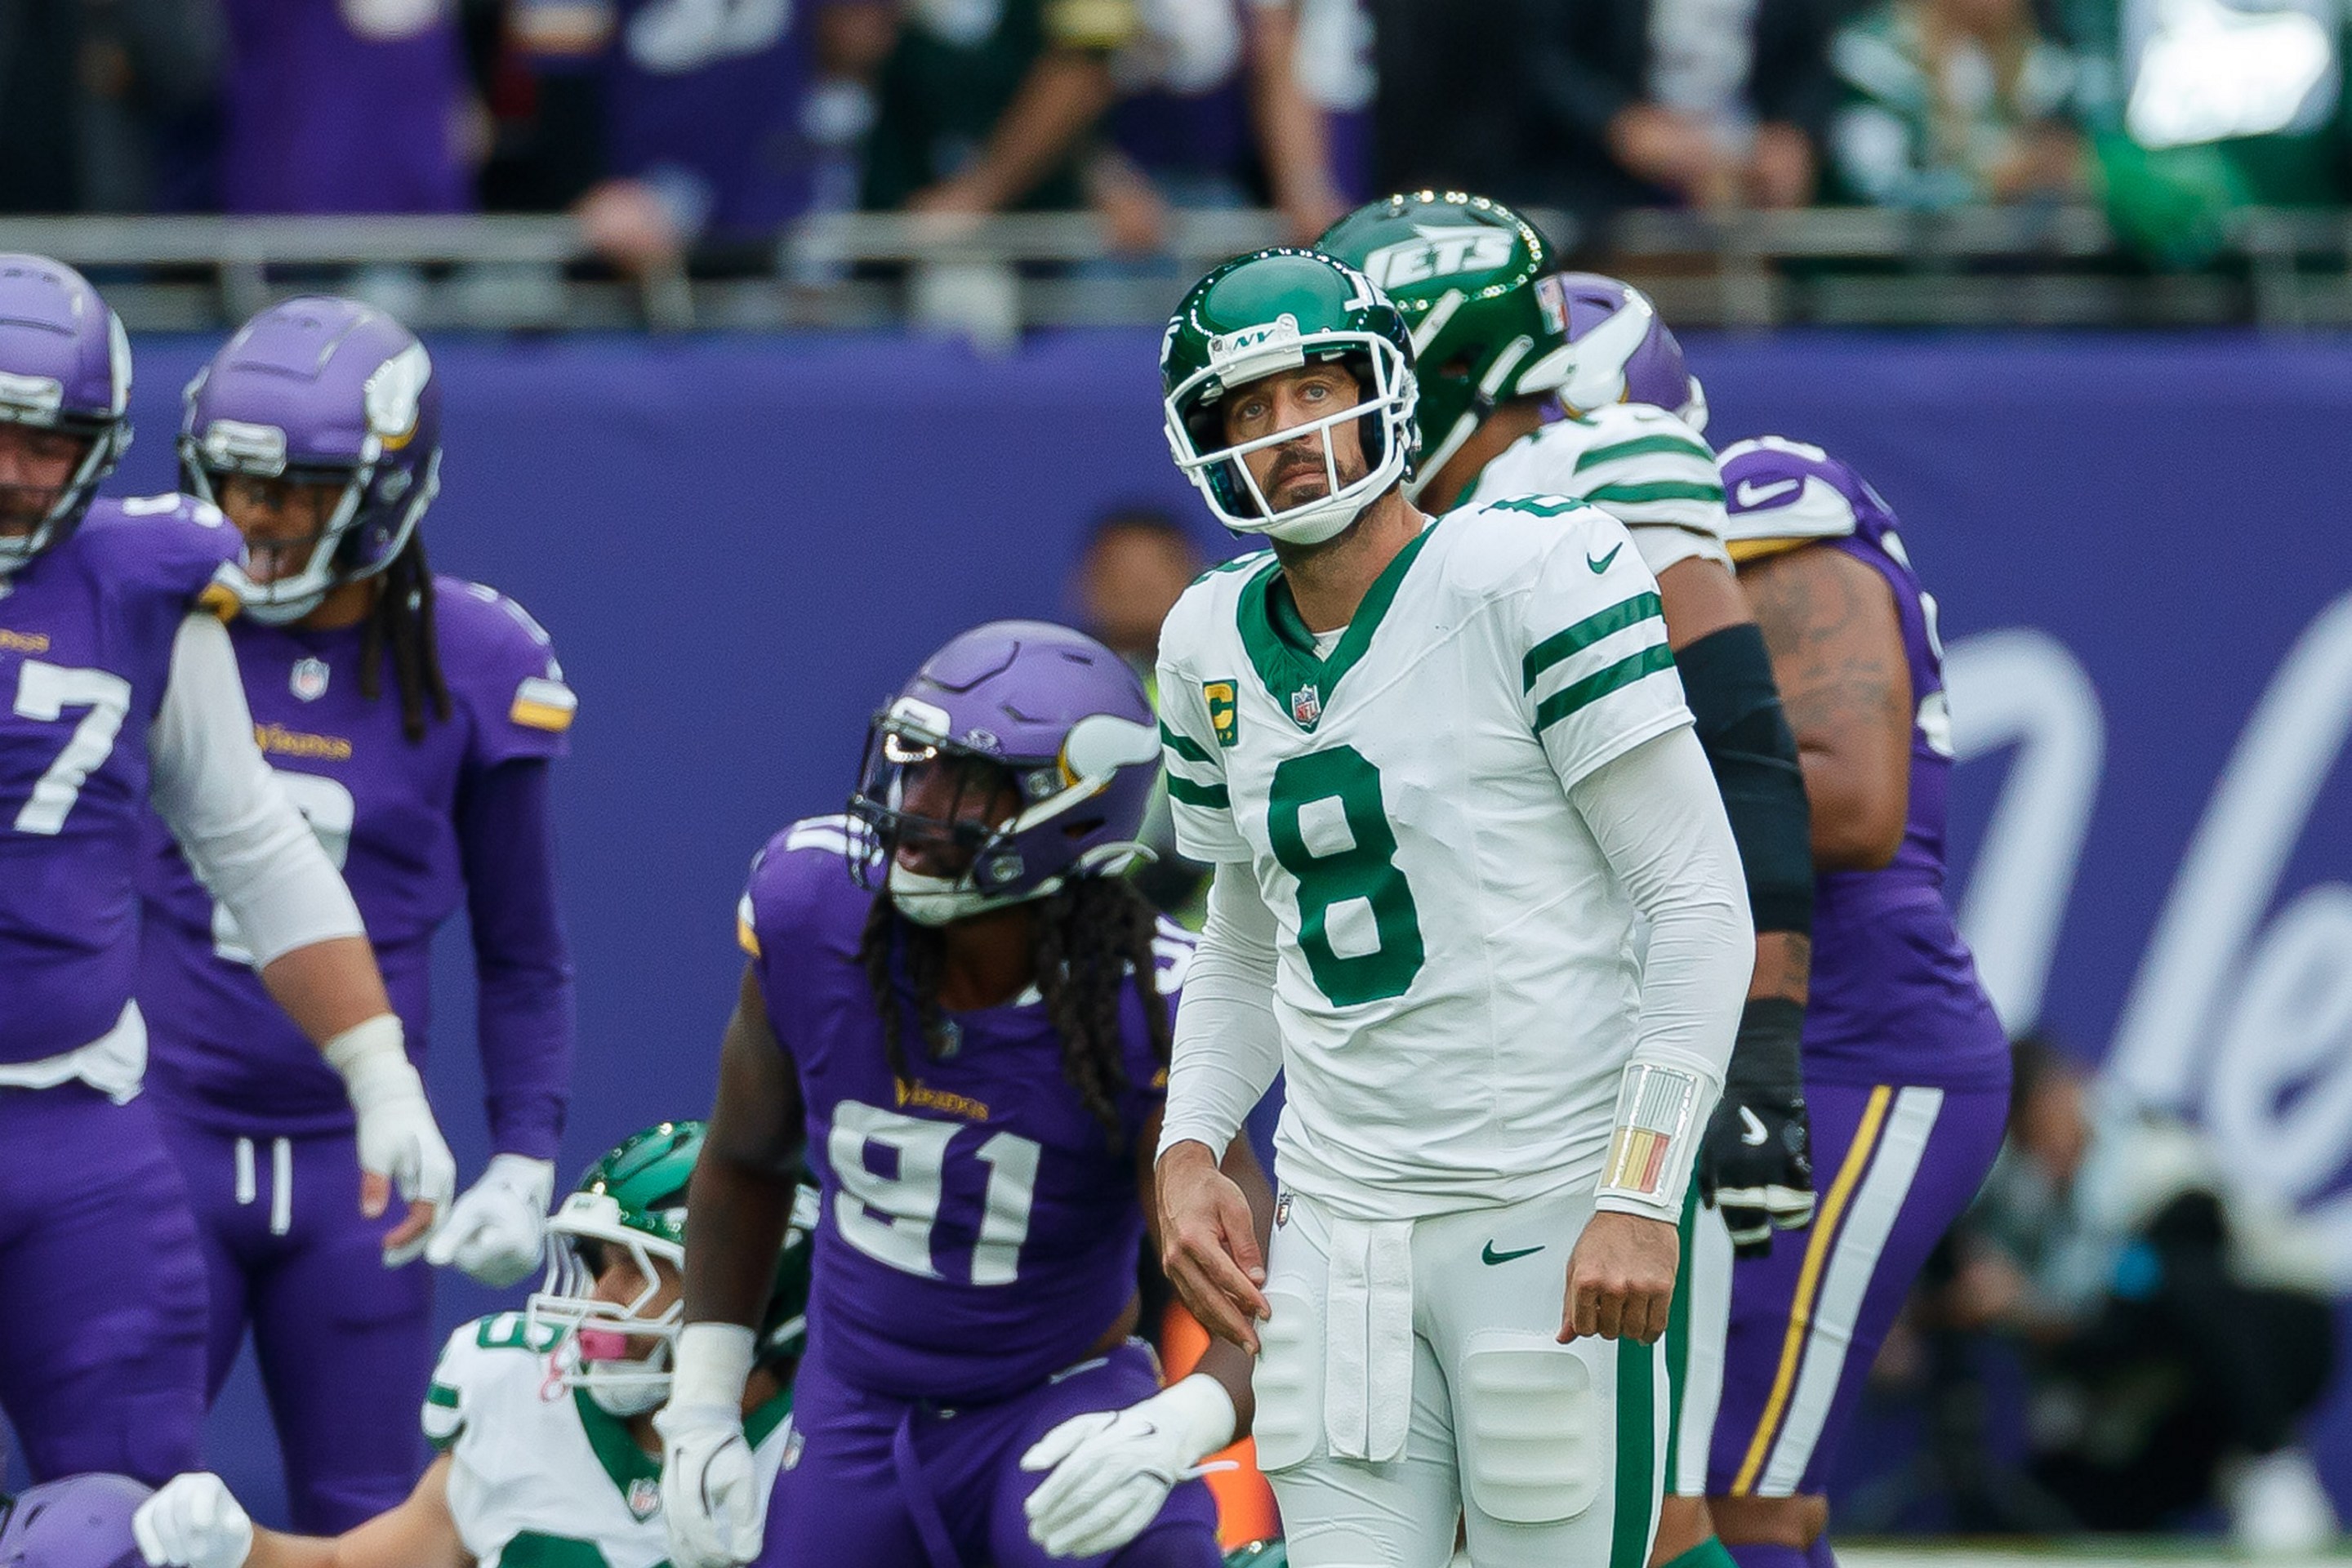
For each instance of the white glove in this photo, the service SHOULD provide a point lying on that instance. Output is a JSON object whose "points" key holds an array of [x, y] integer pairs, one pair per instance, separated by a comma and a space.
{"points": [[397, 1135], [496, 1227], [709, 1489], [193, 1522], [1114, 1468]]}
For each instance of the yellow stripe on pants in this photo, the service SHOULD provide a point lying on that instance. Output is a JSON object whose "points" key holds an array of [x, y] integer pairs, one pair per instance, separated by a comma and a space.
{"points": [[1809, 1279]]}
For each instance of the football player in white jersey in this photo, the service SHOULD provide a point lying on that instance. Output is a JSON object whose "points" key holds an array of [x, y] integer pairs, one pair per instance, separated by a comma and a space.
{"points": [[544, 1418], [1538, 382], [1441, 768]]}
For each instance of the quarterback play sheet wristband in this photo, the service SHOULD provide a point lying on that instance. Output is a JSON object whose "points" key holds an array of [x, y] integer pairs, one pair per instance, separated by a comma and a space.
{"points": [[1650, 1148]]}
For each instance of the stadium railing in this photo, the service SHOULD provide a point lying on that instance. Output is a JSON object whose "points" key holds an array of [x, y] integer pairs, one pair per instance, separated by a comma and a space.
{"points": [[991, 278]]}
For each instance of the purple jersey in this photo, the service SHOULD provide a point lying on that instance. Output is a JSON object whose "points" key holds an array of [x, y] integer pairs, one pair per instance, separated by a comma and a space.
{"points": [[86, 633], [344, 106], [711, 96], [387, 809], [980, 1227], [1895, 993]]}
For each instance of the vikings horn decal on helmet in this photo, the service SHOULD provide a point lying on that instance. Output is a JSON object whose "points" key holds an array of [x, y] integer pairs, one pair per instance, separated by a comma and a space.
{"points": [[632, 1199], [1467, 274], [78, 1522], [65, 365], [1020, 756], [323, 390], [1622, 350], [1258, 316]]}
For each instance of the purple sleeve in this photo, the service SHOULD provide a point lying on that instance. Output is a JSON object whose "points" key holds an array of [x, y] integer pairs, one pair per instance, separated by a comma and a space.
{"points": [[521, 962]]}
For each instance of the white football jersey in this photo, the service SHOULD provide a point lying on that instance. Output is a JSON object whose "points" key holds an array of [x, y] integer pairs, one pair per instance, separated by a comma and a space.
{"points": [[540, 1477], [1455, 988], [1642, 465]]}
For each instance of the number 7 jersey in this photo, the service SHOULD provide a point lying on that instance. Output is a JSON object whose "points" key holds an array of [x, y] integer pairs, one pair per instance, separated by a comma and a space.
{"points": [[1456, 986]]}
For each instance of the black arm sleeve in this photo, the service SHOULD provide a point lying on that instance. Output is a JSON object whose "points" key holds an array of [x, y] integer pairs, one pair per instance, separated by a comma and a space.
{"points": [[1727, 681]]}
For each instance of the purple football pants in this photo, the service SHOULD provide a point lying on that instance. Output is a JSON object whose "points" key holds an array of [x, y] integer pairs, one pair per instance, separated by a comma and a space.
{"points": [[345, 1345], [884, 1483], [1895, 1166], [101, 1288]]}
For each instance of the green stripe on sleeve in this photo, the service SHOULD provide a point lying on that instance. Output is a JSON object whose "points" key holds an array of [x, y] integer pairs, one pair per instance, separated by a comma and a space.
{"points": [[1637, 1485], [1584, 634], [1181, 788], [1680, 445], [1184, 746], [442, 1394], [1594, 687], [1657, 489]]}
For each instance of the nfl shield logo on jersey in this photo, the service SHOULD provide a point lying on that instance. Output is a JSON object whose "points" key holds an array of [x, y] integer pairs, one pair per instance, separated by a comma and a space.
{"points": [[645, 1497], [310, 678], [1306, 706]]}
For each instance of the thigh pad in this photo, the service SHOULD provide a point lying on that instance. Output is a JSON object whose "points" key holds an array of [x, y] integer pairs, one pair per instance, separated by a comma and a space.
{"points": [[1531, 1429]]}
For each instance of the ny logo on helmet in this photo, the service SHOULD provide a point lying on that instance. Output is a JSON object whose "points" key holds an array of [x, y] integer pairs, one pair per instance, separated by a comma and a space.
{"points": [[1443, 250], [1226, 347]]}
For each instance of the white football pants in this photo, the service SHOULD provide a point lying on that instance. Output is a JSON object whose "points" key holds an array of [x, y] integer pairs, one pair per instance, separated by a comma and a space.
{"points": [[1410, 1378]]}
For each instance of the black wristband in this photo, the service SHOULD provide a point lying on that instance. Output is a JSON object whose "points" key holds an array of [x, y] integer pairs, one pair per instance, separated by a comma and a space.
{"points": [[1767, 1051]]}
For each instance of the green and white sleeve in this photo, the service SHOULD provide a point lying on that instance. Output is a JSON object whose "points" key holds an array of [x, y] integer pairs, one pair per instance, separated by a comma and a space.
{"points": [[1198, 799]]}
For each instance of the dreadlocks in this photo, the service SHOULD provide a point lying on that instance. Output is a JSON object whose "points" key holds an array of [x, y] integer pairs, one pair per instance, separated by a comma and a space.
{"points": [[401, 619], [1090, 936]]}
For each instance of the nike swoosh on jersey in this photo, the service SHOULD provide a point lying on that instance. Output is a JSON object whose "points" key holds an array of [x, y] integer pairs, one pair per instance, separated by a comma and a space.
{"points": [[1492, 1257], [1751, 494], [1752, 1134], [1603, 565]]}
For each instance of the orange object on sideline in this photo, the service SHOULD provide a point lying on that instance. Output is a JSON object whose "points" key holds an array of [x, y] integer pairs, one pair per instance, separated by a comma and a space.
{"points": [[1244, 1501]]}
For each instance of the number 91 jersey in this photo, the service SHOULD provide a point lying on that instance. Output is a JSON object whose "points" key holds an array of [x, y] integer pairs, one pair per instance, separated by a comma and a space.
{"points": [[1456, 984], [980, 1227]]}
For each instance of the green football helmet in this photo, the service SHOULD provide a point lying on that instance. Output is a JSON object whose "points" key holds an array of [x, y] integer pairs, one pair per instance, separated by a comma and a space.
{"points": [[634, 1198], [1465, 273], [1257, 316]]}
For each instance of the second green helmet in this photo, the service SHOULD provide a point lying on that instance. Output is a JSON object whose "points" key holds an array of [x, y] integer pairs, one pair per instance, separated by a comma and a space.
{"points": [[1467, 273]]}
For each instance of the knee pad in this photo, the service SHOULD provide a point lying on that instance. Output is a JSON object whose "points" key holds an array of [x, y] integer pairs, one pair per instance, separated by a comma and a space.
{"points": [[1287, 1381], [1528, 1424]]}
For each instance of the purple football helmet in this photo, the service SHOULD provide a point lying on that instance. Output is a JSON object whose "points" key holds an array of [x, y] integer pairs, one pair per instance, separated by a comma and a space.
{"points": [[65, 365], [1624, 352], [79, 1522], [1019, 756], [1774, 488], [321, 390]]}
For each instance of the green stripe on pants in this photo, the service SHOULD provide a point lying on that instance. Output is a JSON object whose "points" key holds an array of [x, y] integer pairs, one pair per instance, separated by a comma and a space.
{"points": [[1637, 1490], [1678, 1335]]}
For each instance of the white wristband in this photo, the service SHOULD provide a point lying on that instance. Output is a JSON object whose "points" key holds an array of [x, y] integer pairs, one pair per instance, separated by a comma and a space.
{"points": [[372, 1056], [1199, 1407], [713, 1363]]}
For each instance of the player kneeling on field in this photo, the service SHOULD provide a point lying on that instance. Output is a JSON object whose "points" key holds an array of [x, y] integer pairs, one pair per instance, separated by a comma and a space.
{"points": [[523, 1477]]}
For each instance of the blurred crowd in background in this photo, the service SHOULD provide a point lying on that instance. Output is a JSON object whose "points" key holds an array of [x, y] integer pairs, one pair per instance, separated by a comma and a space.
{"points": [[678, 127]]}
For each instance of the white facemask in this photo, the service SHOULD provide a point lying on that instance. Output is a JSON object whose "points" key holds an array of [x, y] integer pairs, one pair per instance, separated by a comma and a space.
{"points": [[934, 900]]}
